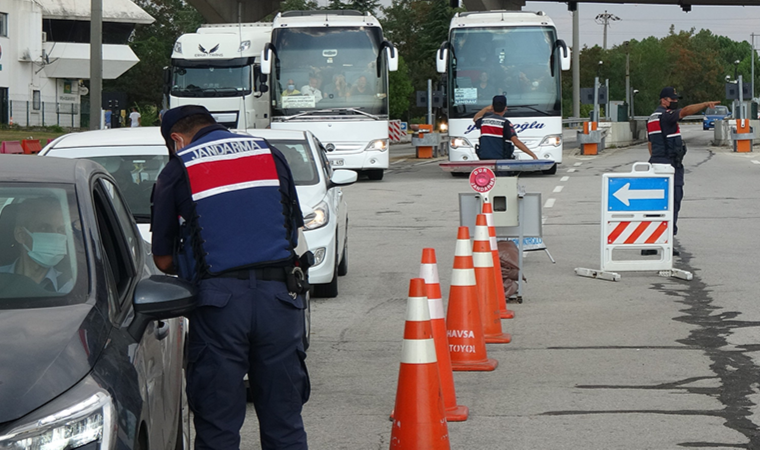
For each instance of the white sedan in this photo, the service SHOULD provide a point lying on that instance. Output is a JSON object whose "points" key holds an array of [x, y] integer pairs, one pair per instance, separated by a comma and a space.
{"points": [[135, 157]]}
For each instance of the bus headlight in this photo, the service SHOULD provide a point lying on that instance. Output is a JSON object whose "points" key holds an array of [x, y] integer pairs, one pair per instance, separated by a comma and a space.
{"points": [[457, 142], [318, 218], [555, 140], [178, 47], [378, 145], [245, 45]]}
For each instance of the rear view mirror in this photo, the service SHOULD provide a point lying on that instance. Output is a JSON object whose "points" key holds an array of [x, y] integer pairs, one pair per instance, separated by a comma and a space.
{"points": [[342, 177], [441, 57], [160, 297]]}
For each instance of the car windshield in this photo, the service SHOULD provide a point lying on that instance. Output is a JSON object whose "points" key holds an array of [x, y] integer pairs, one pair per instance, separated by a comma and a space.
{"points": [[300, 159], [135, 176], [717, 111], [42, 261]]}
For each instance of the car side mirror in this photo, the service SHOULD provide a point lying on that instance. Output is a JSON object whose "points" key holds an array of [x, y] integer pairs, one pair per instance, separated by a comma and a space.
{"points": [[160, 297], [342, 177]]}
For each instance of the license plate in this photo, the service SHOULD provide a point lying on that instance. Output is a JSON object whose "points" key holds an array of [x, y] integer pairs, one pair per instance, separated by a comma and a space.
{"points": [[336, 162]]}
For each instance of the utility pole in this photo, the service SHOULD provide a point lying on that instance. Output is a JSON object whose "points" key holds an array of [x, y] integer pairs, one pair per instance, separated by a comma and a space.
{"points": [[576, 61], [605, 19], [96, 62], [753, 66]]}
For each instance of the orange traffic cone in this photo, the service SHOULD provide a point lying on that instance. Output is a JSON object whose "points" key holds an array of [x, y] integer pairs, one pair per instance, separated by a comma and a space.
{"points": [[504, 312], [419, 420], [489, 307], [467, 345], [429, 272]]}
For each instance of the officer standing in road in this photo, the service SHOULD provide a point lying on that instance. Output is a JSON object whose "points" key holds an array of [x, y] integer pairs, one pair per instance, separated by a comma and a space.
{"points": [[226, 217], [497, 135], [666, 145]]}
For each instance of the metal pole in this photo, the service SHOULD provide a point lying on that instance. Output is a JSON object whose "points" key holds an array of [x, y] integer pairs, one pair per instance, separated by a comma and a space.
{"points": [[576, 64], [607, 103], [628, 80], [430, 102], [596, 99], [740, 85], [753, 65], [96, 62]]}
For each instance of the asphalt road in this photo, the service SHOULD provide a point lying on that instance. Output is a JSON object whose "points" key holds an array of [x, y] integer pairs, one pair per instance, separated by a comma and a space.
{"points": [[647, 362]]}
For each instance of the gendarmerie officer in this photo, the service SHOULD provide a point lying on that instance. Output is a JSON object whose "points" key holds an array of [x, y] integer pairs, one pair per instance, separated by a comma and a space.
{"points": [[226, 216], [498, 138], [666, 144]]}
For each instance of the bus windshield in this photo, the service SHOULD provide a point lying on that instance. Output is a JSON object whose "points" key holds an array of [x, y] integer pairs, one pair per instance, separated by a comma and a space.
{"points": [[512, 61], [323, 69], [210, 80]]}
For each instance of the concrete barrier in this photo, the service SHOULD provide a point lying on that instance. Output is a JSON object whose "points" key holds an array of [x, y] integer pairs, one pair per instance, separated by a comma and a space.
{"points": [[11, 147], [623, 134]]}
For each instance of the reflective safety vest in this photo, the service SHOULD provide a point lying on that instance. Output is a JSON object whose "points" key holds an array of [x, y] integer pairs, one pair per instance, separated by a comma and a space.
{"points": [[493, 145], [666, 149], [241, 219]]}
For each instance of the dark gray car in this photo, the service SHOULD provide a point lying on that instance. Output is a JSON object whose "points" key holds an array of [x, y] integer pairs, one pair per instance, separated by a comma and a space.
{"points": [[92, 349]]}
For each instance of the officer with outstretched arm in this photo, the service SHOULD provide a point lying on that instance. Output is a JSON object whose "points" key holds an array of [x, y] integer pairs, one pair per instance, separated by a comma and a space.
{"points": [[666, 145], [226, 217], [497, 135]]}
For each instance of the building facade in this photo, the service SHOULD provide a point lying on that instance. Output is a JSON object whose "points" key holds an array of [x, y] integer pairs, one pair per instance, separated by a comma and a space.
{"points": [[45, 56]]}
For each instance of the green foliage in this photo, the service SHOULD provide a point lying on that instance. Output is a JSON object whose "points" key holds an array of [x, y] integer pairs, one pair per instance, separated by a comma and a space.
{"points": [[400, 90]]}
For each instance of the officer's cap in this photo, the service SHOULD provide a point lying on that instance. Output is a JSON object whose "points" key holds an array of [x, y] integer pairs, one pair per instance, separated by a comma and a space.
{"points": [[174, 115], [669, 92], [499, 101]]}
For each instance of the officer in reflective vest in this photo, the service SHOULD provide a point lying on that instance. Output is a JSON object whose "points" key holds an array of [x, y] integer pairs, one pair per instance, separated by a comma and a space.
{"points": [[225, 214], [665, 143], [497, 135]]}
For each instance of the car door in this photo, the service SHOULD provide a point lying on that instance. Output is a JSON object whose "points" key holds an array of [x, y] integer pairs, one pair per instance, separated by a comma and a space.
{"points": [[157, 357], [335, 195]]}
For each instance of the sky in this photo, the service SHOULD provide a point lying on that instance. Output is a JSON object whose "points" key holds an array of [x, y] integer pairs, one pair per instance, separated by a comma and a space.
{"points": [[641, 21]]}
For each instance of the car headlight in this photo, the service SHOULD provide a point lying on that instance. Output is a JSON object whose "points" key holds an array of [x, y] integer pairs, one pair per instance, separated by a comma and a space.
{"points": [[319, 256], [379, 145], [555, 140], [457, 142], [245, 45], [444, 127], [90, 420], [318, 218]]}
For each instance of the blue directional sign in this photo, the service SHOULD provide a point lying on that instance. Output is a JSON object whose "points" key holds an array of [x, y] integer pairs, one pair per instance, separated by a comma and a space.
{"points": [[637, 194]]}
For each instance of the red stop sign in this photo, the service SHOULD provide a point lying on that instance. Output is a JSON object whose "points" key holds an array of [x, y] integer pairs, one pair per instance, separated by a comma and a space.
{"points": [[482, 179]]}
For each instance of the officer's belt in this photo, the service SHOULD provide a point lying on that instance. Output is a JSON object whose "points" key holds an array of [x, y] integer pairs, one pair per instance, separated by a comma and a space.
{"points": [[265, 274]]}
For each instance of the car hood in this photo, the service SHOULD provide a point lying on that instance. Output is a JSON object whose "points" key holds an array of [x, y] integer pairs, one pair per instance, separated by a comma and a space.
{"points": [[715, 116], [309, 197], [45, 352]]}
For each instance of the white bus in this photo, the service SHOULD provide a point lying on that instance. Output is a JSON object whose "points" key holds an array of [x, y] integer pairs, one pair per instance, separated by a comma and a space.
{"points": [[218, 67], [329, 75], [515, 53]]}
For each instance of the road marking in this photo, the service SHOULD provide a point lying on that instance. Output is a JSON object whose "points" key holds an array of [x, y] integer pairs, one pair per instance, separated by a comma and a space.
{"points": [[578, 164], [571, 170], [399, 161], [558, 188], [549, 203], [563, 179], [754, 161]]}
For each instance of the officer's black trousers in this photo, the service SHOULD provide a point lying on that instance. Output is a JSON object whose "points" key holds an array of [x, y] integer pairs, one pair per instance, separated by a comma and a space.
{"points": [[254, 327]]}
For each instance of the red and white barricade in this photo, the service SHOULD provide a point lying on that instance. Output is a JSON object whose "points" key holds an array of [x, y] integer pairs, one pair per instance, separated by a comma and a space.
{"points": [[394, 131]]}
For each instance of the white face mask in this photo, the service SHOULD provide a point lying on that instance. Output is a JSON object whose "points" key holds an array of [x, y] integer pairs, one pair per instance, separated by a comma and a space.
{"points": [[48, 249], [291, 87]]}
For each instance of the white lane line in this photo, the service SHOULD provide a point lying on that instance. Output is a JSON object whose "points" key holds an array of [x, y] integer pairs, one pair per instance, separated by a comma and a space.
{"points": [[558, 189], [563, 179], [549, 203], [399, 161], [577, 164], [570, 170], [754, 161]]}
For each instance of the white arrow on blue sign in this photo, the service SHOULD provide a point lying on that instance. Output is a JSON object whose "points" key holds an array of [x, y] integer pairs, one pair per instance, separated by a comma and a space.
{"points": [[637, 194]]}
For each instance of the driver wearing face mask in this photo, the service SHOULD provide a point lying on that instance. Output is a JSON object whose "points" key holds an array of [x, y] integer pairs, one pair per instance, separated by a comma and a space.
{"points": [[41, 234]]}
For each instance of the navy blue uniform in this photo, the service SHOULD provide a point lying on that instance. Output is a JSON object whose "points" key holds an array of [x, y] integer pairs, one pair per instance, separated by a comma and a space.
{"points": [[496, 135], [246, 322], [664, 134]]}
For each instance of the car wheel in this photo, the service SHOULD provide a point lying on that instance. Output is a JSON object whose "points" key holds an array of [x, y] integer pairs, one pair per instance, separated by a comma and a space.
{"points": [[375, 174], [550, 171], [330, 289], [343, 266]]}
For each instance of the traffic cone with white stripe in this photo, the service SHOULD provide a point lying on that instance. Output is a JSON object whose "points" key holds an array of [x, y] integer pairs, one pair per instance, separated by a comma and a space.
{"points": [[504, 312], [467, 345], [489, 307], [429, 272], [419, 420]]}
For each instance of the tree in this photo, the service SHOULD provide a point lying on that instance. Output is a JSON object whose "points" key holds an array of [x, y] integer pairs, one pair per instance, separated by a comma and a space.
{"points": [[365, 6], [400, 90]]}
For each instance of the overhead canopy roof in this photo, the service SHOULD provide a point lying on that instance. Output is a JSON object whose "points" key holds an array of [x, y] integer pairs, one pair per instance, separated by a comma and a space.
{"points": [[113, 11]]}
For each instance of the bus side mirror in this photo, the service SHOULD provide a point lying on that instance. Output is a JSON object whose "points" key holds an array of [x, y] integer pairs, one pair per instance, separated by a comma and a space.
{"points": [[266, 59], [564, 55], [441, 57], [392, 54]]}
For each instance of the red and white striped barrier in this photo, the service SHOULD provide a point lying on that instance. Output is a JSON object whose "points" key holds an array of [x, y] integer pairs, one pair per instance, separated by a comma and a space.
{"points": [[637, 232], [394, 131]]}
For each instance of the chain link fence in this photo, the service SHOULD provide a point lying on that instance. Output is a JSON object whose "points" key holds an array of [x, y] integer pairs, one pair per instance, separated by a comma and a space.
{"points": [[47, 114]]}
